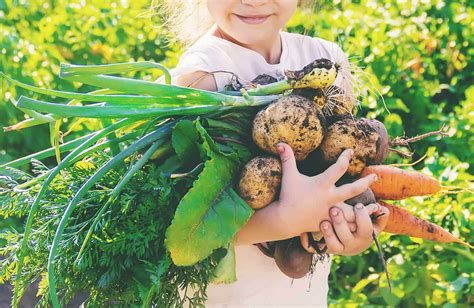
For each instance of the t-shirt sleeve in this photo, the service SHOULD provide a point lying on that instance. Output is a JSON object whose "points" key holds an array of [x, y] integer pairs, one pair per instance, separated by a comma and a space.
{"points": [[205, 59], [193, 61]]}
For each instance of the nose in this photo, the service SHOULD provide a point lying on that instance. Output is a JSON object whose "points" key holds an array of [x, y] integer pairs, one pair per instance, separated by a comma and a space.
{"points": [[255, 2]]}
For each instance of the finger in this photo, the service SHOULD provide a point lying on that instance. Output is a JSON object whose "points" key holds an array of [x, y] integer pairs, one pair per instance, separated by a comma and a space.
{"points": [[332, 242], [381, 221], [372, 208], [288, 162], [348, 211], [304, 241], [363, 221], [341, 227], [352, 226], [337, 170], [351, 190]]}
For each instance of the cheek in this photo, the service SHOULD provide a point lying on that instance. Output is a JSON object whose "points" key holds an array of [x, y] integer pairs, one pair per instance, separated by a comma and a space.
{"points": [[218, 10], [287, 9]]}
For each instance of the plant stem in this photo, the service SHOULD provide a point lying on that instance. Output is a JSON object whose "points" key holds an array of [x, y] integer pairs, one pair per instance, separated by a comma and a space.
{"points": [[116, 68], [105, 111], [272, 88]]}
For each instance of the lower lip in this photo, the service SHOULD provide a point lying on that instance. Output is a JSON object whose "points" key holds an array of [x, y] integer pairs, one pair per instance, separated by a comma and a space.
{"points": [[252, 20]]}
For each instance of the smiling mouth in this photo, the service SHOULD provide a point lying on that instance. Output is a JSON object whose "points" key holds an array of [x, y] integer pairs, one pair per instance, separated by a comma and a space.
{"points": [[253, 20]]}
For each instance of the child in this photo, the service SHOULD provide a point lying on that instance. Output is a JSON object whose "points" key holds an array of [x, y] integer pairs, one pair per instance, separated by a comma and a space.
{"points": [[245, 38]]}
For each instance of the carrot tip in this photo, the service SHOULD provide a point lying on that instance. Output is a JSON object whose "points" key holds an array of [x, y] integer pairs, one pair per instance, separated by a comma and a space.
{"points": [[466, 245]]}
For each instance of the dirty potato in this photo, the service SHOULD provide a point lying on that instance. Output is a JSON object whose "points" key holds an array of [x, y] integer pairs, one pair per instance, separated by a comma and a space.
{"points": [[292, 119], [368, 139], [260, 181]]}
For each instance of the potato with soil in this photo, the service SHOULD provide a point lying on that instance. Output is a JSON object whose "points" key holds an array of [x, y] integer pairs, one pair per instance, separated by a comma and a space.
{"points": [[260, 181], [368, 138], [292, 119]]}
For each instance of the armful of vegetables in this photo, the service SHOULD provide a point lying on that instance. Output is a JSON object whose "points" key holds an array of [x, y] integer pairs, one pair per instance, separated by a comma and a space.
{"points": [[166, 157], [304, 126]]}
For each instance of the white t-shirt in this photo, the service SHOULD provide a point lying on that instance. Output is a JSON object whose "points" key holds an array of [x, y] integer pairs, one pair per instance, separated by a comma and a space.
{"points": [[259, 281], [213, 54]]}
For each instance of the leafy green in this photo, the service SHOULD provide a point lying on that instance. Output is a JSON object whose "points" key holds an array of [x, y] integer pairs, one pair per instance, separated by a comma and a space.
{"points": [[126, 262], [225, 271], [211, 213], [184, 139]]}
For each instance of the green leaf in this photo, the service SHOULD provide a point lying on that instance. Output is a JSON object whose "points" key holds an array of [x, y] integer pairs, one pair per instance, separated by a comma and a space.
{"points": [[411, 284], [211, 213], [209, 145], [389, 298], [184, 140], [364, 282], [208, 216], [458, 284], [225, 270]]}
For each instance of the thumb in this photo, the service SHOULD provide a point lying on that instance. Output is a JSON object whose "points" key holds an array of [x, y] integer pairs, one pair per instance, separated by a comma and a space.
{"points": [[288, 161]]}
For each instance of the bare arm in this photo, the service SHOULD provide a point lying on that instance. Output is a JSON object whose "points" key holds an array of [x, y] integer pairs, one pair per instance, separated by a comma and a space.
{"points": [[265, 225], [198, 80]]}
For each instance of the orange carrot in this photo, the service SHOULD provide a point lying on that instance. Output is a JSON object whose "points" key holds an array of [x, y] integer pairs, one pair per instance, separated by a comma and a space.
{"points": [[395, 184], [403, 222]]}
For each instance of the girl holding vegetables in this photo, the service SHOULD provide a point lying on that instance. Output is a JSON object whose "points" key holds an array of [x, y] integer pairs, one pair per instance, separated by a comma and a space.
{"points": [[246, 38]]}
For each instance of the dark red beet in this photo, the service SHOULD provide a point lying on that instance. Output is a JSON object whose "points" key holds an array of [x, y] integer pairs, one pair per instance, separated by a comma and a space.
{"points": [[292, 259]]}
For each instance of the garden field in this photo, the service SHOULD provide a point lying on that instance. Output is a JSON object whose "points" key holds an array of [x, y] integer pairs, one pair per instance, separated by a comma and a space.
{"points": [[416, 75]]}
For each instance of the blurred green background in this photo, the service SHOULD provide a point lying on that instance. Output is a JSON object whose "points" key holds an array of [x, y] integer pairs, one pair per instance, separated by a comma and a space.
{"points": [[417, 55]]}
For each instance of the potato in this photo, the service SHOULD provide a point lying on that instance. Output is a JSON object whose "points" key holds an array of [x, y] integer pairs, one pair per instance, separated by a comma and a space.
{"points": [[382, 143], [368, 138], [294, 261], [260, 181], [320, 73], [292, 119]]}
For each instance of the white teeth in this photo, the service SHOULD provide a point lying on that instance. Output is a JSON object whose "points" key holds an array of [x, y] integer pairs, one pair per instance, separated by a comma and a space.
{"points": [[253, 20]]}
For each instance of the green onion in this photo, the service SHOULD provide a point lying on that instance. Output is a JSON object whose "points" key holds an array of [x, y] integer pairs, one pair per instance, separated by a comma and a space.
{"points": [[116, 68]]}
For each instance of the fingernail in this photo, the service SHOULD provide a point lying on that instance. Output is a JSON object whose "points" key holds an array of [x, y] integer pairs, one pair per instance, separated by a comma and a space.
{"points": [[280, 148], [351, 152], [325, 226], [359, 206], [334, 212], [374, 177]]}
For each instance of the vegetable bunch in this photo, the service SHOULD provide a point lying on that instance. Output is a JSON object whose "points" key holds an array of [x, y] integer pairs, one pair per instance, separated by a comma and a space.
{"points": [[143, 211], [319, 124]]}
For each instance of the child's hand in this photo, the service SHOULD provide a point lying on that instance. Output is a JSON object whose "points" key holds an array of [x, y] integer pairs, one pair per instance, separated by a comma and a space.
{"points": [[340, 236], [305, 201]]}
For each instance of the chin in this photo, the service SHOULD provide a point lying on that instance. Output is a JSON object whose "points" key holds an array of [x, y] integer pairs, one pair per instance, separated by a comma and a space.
{"points": [[251, 38]]}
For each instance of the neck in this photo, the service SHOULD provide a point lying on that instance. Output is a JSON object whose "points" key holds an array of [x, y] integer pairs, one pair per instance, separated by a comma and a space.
{"points": [[270, 49]]}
